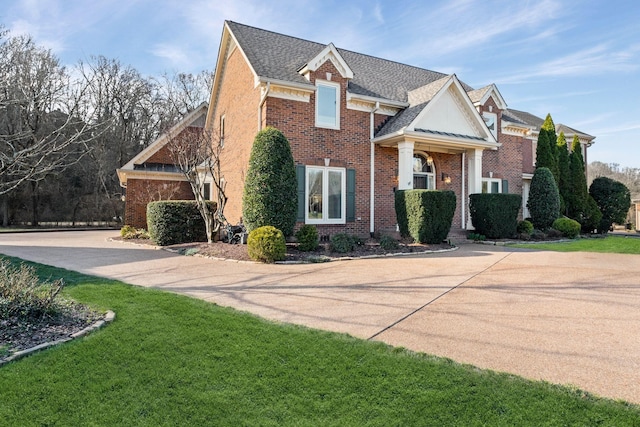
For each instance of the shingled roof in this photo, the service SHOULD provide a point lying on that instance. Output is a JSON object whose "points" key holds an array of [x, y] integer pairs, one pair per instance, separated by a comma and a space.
{"points": [[277, 56], [517, 116]]}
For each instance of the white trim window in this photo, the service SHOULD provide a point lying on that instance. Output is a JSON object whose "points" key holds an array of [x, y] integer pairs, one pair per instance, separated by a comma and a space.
{"points": [[491, 185], [222, 119], [327, 104], [491, 120], [424, 172], [325, 195]]}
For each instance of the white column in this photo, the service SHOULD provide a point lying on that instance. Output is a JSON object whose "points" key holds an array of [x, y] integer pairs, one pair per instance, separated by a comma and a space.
{"points": [[405, 165], [474, 172]]}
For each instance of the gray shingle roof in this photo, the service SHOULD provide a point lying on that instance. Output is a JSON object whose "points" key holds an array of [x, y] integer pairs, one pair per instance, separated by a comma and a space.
{"points": [[536, 122], [277, 56]]}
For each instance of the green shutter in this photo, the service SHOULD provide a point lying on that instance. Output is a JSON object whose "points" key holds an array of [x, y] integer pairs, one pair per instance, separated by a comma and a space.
{"points": [[351, 195], [300, 176], [505, 186]]}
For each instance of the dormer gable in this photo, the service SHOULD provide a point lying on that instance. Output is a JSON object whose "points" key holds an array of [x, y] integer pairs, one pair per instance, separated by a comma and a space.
{"points": [[329, 53], [451, 111], [480, 96]]}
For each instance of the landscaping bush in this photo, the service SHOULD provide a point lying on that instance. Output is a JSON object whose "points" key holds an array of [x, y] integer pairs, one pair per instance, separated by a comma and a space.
{"points": [[425, 215], [568, 227], [343, 243], [266, 244], [388, 243], [495, 215], [129, 232], [613, 200], [307, 238], [23, 295], [270, 190], [525, 227], [171, 222], [544, 199]]}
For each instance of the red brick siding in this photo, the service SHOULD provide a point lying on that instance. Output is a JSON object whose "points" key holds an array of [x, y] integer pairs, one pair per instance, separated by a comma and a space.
{"points": [[238, 101], [142, 191]]}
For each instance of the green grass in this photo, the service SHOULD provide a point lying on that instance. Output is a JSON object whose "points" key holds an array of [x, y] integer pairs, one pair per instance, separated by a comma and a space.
{"points": [[172, 360], [609, 244]]}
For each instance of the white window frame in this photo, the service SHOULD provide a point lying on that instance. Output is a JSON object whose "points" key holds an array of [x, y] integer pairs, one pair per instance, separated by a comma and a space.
{"points": [[336, 87], [534, 148], [487, 116], [488, 182], [325, 190], [431, 176]]}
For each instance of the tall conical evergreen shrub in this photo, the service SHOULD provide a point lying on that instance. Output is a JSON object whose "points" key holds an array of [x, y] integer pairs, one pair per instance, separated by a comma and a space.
{"points": [[270, 196], [580, 205], [546, 151], [544, 199], [564, 183]]}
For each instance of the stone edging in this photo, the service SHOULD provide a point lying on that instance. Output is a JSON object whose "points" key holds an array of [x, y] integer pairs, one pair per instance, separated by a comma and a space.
{"points": [[108, 317]]}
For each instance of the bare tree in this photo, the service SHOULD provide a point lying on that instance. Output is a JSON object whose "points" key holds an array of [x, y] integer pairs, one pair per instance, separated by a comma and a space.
{"points": [[42, 130], [182, 93], [196, 152]]}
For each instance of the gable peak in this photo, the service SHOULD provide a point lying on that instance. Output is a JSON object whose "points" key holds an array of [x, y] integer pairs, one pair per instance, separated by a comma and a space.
{"points": [[329, 53]]}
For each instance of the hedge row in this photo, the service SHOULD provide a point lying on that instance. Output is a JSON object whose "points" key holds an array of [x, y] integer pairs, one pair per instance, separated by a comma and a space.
{"points": [[170, 222], [425, 215]]}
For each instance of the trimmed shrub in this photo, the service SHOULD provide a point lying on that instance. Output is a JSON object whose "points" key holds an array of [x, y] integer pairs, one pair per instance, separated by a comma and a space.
{"points": [[270, 190], [266, 244], [590, 218], [544, 199], [176, 221], [568, 227], [525, 227], [388, 243], [613, 199], [343, 243], [307, 238], [425, 215], [495, 215]]}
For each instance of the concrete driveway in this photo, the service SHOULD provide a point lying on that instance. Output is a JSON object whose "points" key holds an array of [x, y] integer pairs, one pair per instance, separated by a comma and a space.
{"points": [[568, 318]]}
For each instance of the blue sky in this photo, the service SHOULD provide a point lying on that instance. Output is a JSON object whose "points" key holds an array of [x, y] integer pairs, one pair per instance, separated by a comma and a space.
{"points": [[578, 60]]}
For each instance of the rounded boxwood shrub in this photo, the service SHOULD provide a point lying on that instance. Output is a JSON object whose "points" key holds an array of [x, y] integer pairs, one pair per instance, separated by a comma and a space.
{"points": [[270, 190], [525, 227], [266, 244], [343, 243], [568, 227], [388, 243], [307, 238]]}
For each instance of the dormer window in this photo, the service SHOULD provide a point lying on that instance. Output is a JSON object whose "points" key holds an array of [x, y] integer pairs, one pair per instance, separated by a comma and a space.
{"points": [[328, 105], [491, 120]]}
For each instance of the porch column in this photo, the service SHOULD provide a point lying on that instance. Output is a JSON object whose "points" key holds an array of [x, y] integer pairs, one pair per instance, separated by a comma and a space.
{"points": [[474, 172], [405, 165]]}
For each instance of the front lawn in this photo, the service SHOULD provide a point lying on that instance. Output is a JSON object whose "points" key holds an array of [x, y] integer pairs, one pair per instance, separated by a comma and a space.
{"points": [[608, 244], [173, 360]]}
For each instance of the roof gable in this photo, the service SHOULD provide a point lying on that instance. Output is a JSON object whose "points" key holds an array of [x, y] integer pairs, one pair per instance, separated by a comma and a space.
{"points": [[193, 119], [450, 111], [329, 53], [480, 96]]}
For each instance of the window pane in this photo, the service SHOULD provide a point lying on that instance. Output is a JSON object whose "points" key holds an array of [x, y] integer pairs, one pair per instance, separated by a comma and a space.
{"points": [[420, 182], [335, 195], [485, 187], [326, 105], [314, 190], [495, 187]]}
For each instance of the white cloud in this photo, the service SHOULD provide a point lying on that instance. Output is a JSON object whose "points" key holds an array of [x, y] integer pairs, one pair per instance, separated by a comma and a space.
{"points": [[177, 56]]}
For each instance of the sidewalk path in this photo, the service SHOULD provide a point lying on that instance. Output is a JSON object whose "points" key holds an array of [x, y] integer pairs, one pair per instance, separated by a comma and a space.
{"points": [[568, 318]]}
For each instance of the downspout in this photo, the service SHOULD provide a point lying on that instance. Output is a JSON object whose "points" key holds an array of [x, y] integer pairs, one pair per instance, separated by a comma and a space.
{"points": [[464, 199], [263, 98], [372, 178]]}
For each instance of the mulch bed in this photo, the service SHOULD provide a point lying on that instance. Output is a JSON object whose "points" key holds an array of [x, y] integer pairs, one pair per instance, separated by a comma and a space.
{"points": [[239, 252], [17, 334]]}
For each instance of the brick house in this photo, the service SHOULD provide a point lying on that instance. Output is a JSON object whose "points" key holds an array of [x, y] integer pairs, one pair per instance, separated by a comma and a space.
{"points": [[362, 127]]}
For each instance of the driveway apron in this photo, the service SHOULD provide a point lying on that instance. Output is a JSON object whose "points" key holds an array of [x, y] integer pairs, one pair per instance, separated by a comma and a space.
{"points": [[568, 318]]}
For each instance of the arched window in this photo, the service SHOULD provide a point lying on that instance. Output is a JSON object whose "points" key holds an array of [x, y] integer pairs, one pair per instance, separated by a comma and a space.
{"points": [[424, 174]]}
